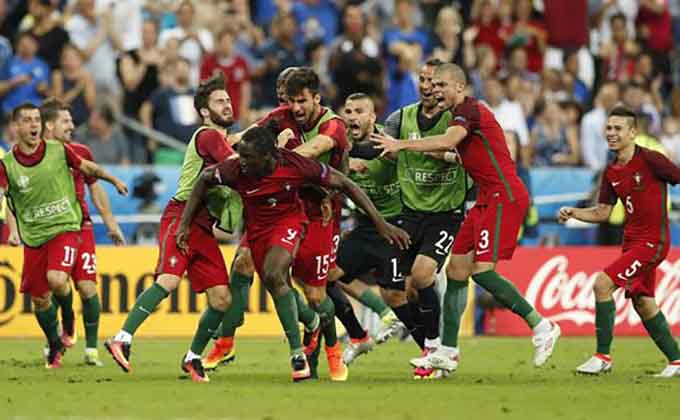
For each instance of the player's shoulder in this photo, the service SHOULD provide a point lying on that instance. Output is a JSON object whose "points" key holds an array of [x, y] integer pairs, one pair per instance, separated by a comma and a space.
{"points": [[81, 149], [280, 112], [649, 155]]}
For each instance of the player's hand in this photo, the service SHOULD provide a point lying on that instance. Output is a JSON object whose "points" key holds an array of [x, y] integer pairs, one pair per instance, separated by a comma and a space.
{"points": [[565, 214], [394, 235], [284, 137], [387, 143], [14, 239], [357, 165], [121, 187], [116, 236], [181, 238]]}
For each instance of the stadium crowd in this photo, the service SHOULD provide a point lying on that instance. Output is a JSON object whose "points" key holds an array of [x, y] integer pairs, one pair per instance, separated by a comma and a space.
{"points": [[549, 69]]}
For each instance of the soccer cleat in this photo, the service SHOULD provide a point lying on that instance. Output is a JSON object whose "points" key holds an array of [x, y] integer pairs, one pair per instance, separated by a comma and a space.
{"points": [[671, 370], [222, 353], [597, 364], [544, 344], [194, 368], [442, 359], [357, 347], [92, 358], [428, 374], [298, 363], [311, 338], [120, 352], [389, 326], [54, 356], [423, 361], [337, 369], [69, 338]]}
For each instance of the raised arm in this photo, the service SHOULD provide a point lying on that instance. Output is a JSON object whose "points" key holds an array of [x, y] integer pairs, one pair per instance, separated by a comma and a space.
{"points": [[90, 168], [662, 167], [596, 214], [442, 142], [101, 201], [315, 147]]}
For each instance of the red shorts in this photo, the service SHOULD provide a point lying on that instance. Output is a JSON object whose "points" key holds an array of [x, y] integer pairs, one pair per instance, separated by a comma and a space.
{"points": [[86, 261], [286, 234], [313, 260], [57, 254], [635, 269], [203, 263], [491, 230]]}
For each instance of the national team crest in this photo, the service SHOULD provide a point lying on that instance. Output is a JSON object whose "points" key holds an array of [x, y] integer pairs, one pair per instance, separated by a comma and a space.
{"points": [[23, 182], [413, 135], [637, 181], [173, 261]]}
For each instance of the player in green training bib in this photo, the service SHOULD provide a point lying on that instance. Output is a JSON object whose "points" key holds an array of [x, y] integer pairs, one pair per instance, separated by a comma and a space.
{"points": [[36, 177]]}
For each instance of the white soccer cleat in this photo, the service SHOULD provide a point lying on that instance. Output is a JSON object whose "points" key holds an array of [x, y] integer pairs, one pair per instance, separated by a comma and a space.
{"points": [[596, 365], [438, 359], [671, 370], [544, 344], [92, 358], [389, 326], [356, 348]]}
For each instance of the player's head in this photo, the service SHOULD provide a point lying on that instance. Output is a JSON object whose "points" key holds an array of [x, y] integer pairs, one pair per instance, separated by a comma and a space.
{"points": [[281, 85], [425, 75], [359, 113], [26, 118], [212, 102], [449, 84], [302, 88], [258, 152], [57, 123], [621, 128]]}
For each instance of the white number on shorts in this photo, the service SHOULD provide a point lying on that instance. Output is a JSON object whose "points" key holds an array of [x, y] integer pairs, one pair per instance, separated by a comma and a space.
{"points": [[630, 271], [444, 243], [336, 245], [69, 256], [89, 263], [629, 205], [292, 233], [322, 265], [397, 276], [483, 239]]}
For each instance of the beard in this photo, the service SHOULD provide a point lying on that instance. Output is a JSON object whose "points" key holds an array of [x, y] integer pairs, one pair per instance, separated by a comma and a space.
{"points": [[220, 120]]}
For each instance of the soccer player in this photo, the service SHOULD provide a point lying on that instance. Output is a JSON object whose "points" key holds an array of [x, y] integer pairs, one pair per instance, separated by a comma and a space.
{"points": [[639, 177], [58, 125], [268, 180], [202, 261], [35, 176], [490, 229]]}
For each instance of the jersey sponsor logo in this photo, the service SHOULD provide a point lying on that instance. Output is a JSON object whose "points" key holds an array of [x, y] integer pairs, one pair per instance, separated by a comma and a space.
{"points": [[48, 210]]}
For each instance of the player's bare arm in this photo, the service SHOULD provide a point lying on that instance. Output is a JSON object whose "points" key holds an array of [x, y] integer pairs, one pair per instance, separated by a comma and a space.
{"points": [[206, 179], [101, 201], [90, 168], [316, 146], [392, 234], [596, 214], [13, 239], [442, 142]]}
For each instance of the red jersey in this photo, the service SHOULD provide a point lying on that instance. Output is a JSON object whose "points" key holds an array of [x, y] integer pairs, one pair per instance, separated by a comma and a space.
{"points": [[73, 160], [236, 73], [485, 154], [275, 197], [641, 186], [80, 179], [334, 128]]}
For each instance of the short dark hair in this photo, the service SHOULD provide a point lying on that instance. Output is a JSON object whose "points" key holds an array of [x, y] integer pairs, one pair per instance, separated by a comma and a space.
{"points": [[622, 111], [358, 96], [16, 112], [205, 88], [263, 139], [300, 79], [453, 70], [106, 113], [49, 110], [434, 62], [284, 75], [617, 16], [25, 34]]}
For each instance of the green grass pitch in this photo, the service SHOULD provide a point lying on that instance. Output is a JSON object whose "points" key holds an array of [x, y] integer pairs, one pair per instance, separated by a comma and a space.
{"points": [[495, 381]]}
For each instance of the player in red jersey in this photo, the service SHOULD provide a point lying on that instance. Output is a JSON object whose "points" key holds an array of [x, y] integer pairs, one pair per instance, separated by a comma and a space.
{"points": [[639, 177], [58, 125], [203, 261], [268, 180], [490, 229]]}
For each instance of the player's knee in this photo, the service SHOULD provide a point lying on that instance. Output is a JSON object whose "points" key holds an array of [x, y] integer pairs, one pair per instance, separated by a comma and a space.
{"points": [[393, 298], [221, 300], [411, 292], [315, 295], [41, 303], [458, 272], [645, 307], [87, 289], [243, 264], [335, 274], [423, 275], [603, 287], [57, 280], [168, 282], [275, 282]]}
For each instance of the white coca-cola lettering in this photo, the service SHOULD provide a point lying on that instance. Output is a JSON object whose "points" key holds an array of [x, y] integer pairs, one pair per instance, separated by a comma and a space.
{"points": [[565, 296]]}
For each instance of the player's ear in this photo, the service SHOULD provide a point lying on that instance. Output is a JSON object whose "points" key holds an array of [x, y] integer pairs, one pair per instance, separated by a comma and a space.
{"points": [[317, 98], [205, 113]]}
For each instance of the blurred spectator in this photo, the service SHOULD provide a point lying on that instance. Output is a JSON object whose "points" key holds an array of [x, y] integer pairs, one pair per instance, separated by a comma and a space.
{"points": [[96, 36], [405, 46], [670, 138], [316, 19], [48, 31], [638, 98], [8, 136], [618, 54], [601, 12], [73, 84], [573, 85], [160, 11], [316, 57], [508, 114], [655, 30], [552, 88], [528, 33], [26, 77], [573, 113], [248, 35], [566, 24], [518, 65], [127, 19], [5, 44], [170, 109], [193, 41], [11, 14], [104, 137], [485, 67], [525, 92], [354, 61], [593, 142], [237, 74], [448, 45], [276, 54], [486, 26], [645, 138], [553, 143]]}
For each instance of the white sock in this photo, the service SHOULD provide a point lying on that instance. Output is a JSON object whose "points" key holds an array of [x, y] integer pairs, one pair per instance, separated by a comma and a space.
{"points": [[123, 336], [432, 343], [543, 327], [90, 350], [191, 356]]}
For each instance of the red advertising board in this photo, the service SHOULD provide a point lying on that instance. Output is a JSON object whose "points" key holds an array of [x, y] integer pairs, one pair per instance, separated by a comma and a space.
{"points": [[558, 282]]}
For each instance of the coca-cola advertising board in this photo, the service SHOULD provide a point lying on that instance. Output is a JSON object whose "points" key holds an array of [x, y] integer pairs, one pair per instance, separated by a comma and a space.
{"points": [[558, 282]]}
